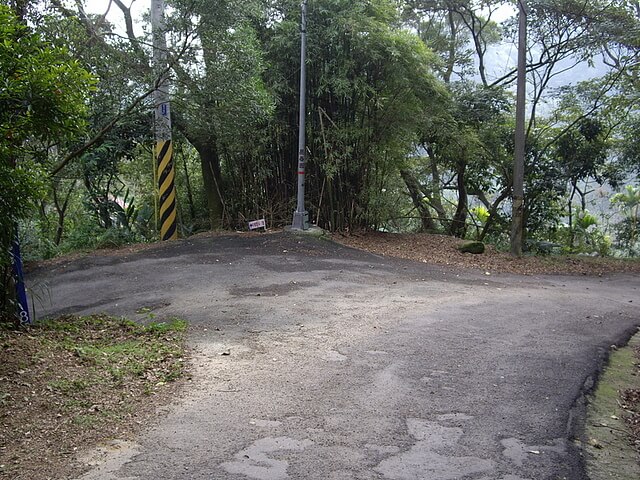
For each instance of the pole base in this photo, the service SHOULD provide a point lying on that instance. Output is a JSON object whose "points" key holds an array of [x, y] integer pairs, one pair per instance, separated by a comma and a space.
{"points": [[300, 221]]}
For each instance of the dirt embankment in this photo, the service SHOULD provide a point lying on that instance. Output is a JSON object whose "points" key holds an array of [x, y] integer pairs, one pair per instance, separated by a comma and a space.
{"points": [[441, 250]]}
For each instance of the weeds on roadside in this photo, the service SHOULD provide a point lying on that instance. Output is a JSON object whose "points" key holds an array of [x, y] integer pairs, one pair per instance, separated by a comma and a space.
{"points": [[74, 381]]}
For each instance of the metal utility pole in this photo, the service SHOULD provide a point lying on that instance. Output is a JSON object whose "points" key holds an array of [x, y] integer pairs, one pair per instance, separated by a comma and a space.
{"points": [[301, 216], [164, 147], [517, 213]]}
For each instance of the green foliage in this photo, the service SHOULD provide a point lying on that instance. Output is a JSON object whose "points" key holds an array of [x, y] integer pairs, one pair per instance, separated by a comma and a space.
{"points": [[627, 238], [42, 101], [585, 221], [160, 328], [585, 236], [392, 87], [222, 105], [44, 88], [481, 214], [629, 204], [588, 237], [131, 349], [469, 145], [370, 87], [114, 237], [459, 32], [602, 242], [22, 186], [139, 350], [582, 150], [629, 150], [628, 201]]}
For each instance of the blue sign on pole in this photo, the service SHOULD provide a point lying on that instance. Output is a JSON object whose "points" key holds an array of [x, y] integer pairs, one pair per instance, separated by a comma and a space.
{"points": [[21, 291]]}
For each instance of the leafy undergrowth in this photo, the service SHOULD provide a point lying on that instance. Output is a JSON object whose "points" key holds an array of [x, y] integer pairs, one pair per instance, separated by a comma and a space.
{"points": [[69, 383], [441, 250]]}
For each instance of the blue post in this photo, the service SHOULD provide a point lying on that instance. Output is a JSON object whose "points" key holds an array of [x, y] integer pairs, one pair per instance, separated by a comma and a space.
{"points": [[21, 291]]}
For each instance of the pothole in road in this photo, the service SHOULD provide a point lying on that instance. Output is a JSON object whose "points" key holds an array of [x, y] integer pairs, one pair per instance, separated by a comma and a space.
{"points": [[254, 461], [422, 461]]}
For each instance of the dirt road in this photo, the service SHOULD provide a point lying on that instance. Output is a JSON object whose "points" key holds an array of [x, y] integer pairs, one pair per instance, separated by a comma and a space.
{"points": [[315, 361]]}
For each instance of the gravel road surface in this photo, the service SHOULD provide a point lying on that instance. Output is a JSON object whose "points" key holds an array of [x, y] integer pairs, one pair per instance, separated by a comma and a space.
{"points": [[315, 361]]}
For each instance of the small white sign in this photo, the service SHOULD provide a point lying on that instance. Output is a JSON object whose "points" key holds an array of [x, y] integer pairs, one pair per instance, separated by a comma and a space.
{"points": [[258, 224]]}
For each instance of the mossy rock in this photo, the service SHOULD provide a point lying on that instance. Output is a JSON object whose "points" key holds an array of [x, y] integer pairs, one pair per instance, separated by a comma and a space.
{"points": [[471, 247]]}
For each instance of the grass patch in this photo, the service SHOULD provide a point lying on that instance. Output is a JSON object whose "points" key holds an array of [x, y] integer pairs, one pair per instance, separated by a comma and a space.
{"points": [[69, 383], [611, 441]]}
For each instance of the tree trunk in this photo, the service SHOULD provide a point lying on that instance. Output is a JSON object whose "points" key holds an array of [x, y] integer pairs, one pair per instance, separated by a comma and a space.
{"points": [[459, 223], [451, 58], [417, 198], [436, 199], [493, 213], [192, 207], [61, 210], [210, 163], [206, 145], [572, 235]]}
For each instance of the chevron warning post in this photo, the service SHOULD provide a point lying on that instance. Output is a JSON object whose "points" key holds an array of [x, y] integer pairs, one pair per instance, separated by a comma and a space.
{"points": [[164, 148], [166, 190]]}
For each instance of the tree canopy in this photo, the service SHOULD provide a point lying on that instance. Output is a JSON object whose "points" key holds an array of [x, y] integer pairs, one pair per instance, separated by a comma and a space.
{"points": [[410, 118]]}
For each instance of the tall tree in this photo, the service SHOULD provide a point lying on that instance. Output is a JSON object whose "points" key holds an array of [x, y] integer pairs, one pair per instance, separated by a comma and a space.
{"points": [[42, 102], [460, 32], [221, 100]]}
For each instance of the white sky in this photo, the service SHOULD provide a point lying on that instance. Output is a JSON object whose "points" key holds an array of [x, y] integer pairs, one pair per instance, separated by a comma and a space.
{"points": [[500, 58], [138, 9]]}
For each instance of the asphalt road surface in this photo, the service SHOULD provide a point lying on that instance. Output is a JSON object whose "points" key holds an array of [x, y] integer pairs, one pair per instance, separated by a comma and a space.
{"points": [[315, 361]]}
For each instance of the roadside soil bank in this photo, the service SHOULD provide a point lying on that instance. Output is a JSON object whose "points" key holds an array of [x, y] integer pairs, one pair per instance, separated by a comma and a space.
{"points": [[441, 250], [74, 382], [612, 427]]}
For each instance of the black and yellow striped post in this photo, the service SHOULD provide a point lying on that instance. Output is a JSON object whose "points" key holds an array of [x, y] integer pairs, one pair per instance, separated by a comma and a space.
{"points": [[166, 190], [165, 173]]}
